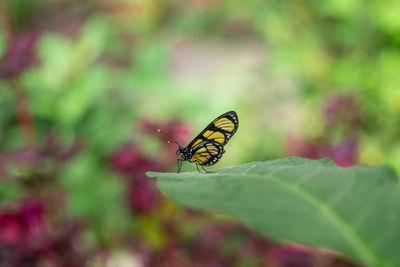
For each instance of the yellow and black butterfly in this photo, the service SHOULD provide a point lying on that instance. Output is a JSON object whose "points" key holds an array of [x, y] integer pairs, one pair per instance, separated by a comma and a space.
{"points": [[207, 148]]}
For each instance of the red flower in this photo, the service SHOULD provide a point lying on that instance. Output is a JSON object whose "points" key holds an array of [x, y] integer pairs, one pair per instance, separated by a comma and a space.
{"points": [[346, 153], [23, 227], [178, 130], [22, 233], [291, 255], [32, 163], [298, 146], [212, 236], [343, 109], [143, 196], [10, 231], [53, 148], [27, 238], [129, 160], [19, 55]]}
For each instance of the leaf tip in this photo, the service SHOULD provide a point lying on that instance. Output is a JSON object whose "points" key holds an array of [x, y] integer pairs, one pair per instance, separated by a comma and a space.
{"points": [[151, 174]]}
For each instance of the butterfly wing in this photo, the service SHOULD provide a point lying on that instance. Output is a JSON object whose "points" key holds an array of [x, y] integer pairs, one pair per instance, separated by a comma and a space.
{"points": [[219, 130], [207, 153]]}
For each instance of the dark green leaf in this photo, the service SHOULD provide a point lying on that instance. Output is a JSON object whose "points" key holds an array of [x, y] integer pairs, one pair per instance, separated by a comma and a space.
{"points": [[355, 211]]}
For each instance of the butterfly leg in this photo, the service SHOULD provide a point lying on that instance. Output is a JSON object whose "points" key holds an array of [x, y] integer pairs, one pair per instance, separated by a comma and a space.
{"points": [[197, 167], [179, 162], [204, 169]]}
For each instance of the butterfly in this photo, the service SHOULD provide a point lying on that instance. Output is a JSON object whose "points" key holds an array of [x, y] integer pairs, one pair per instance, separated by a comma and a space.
{"points": [[207, 147]]}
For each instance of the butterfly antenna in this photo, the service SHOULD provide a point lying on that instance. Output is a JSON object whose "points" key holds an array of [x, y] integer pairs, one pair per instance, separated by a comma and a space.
{"points": [[168, 141]]}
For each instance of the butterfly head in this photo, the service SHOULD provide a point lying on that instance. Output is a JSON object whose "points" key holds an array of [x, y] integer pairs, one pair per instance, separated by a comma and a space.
{"points": [[179, 151]]}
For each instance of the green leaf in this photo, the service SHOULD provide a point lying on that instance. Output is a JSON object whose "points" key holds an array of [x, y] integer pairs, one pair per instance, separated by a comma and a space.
{"points": [[94, 194], [355, 211]]}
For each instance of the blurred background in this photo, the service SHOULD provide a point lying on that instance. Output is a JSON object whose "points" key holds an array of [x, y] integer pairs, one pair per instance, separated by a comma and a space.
{"points": [[84, 85]]}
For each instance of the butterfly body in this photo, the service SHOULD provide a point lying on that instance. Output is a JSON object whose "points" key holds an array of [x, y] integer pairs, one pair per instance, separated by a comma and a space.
{"points": [[207, 147], [198, 156]]}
